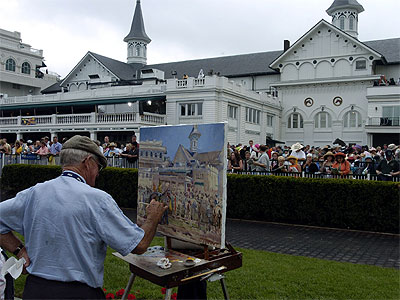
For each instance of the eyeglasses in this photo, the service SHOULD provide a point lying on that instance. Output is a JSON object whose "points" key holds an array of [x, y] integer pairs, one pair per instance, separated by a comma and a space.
{"points": [[100, 166]]}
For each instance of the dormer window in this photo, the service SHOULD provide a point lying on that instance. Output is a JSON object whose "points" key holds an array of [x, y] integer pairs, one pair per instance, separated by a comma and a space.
{"points": [[351, 22], [361, 64], [341, 22]]}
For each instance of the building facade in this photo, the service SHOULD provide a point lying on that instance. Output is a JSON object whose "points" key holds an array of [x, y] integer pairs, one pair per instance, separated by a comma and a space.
{"points": [[324, 86], [21, 67]]}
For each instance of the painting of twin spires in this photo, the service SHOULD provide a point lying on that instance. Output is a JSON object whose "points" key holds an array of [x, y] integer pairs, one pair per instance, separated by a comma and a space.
{"points": [[184, 166]]}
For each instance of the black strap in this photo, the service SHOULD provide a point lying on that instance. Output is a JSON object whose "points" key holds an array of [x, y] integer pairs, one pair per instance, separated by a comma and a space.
{"points": [[73, 175]]}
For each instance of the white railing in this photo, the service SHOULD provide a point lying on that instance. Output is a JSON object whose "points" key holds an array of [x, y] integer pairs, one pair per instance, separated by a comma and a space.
{"points": [[116, 118], [199, 82], [153, 118], [40, 119], [91, 118], [181, 83], [106, 92], [9, 121], [382, 121], [74, 119]]}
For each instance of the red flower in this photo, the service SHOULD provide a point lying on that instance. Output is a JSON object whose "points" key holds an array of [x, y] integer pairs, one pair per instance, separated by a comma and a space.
{"points": [[174, 296], [131, 297], [104, 290], [163, 291], [110, 296], [120, 293]]}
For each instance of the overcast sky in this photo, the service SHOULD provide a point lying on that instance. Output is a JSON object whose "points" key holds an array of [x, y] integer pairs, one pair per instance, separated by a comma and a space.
{"points": [[179, 29]]}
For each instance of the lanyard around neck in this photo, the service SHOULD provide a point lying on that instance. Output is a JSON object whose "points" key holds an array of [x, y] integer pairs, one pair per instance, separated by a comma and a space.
{"points": [[72, 175]]}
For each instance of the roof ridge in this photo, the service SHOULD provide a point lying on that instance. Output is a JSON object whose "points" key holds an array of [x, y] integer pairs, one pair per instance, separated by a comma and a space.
{"points": [[217, 57]]}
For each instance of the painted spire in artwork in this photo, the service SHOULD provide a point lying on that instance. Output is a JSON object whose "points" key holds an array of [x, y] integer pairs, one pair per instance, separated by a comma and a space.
{"points": [[194, 139]]}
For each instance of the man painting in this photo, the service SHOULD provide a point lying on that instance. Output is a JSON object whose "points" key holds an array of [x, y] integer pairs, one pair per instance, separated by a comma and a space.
{"points": [[67, 234]]}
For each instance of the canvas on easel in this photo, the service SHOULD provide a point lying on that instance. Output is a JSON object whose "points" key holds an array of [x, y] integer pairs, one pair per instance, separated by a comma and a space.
{"points": [[185, 167]]}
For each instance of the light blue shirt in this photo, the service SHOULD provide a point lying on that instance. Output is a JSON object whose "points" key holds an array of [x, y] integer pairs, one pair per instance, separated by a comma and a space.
{"points": [[55, 148], [67, 226]]}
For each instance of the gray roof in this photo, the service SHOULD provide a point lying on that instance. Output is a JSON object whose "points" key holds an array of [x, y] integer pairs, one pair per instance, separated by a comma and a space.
{"points": [[54, 88], [122, 70], [337, 4], [137, 29], [389, 48], [229, 66]]}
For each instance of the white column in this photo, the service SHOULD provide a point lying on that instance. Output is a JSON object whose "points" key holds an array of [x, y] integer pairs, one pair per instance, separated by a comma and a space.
{"points": [[93, 135], [308, 133], [19, 135], [53, 134], [370, 139], [92, 117]]}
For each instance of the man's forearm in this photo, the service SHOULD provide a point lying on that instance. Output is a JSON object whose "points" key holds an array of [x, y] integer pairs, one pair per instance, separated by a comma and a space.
{"points": [[9, 242], [149, 227]]}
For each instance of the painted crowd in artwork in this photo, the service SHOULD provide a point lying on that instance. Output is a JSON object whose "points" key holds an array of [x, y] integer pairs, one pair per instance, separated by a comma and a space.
{"points": [[184, 166]]}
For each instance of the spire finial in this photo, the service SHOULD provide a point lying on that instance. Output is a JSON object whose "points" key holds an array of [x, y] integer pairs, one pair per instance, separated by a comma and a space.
{"points": [[137, 29]]}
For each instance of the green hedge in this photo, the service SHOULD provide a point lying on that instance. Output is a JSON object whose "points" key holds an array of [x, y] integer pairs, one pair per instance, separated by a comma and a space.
{"points": [[339, 203], [119, 183]]}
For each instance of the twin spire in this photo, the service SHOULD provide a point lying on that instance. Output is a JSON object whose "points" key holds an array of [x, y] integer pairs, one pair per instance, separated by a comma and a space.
{"points": [[137, 38], [344, 15]]}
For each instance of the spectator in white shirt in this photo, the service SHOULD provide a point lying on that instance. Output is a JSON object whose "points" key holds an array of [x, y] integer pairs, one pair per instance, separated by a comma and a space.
{"points": [[297, 152]]}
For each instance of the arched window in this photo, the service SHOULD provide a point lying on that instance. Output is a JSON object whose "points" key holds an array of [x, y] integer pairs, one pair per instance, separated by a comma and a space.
{"points": [[10, 65], [352, 119], [322, 120], [341, 24], [351, 22], [137, 49], [295, 120], [26, 68]]}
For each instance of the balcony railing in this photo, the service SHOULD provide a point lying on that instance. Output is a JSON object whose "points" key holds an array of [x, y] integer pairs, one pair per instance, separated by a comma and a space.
{"points": [[91, 118], [384, 121]]}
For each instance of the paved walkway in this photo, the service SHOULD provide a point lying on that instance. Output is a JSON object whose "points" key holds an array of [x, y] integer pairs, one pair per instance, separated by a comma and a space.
{"points": [[333, 244]]}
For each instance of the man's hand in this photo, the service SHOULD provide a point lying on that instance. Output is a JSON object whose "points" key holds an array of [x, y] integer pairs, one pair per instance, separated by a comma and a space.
{"points": [[155, 210], [23, 253]]}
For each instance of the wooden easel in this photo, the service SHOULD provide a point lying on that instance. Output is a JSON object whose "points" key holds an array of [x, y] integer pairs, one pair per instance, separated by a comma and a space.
{"points": [[212, 264]]}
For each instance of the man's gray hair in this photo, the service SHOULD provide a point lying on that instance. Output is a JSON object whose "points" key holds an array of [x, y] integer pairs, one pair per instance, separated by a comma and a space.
{"points": [[73, 157]]}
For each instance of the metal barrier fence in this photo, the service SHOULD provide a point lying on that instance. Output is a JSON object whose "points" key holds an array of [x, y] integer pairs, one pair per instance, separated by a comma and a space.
{"points": [[122, 162], [320, 175], [34, 159]]}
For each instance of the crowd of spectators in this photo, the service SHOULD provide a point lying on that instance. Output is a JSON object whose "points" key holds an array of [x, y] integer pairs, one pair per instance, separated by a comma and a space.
{"points": [[329, 160], [350, 159], [42, 147], [49, 148]]}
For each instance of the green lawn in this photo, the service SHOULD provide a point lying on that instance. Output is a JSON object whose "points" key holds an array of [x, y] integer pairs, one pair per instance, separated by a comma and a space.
{"points": [[266, 275]]}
